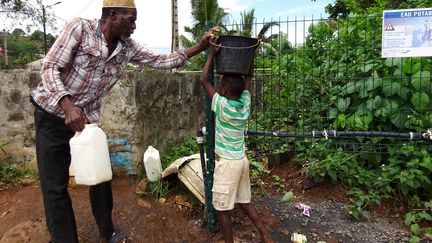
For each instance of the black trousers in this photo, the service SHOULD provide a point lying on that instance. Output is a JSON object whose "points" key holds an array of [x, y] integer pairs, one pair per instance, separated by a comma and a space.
{"points": [[53, 159]]}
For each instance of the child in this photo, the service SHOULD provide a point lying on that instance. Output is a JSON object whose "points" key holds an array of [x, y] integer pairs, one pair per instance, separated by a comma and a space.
{"points": [[231, 176]]}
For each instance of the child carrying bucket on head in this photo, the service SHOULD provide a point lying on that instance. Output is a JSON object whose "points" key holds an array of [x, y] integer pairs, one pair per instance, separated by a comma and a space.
{"points": [[232, 106]]}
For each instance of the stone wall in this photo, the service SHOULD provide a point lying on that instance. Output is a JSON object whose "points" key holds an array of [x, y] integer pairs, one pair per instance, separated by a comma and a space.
{"points": [[150, 107]]}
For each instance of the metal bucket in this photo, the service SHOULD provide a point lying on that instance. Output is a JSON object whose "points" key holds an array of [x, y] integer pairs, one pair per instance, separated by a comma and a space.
{"points": [[236, 54]]}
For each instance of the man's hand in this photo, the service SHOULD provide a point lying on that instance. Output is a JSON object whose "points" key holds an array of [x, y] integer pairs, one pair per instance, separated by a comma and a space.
{"points": [[204, 43], [75, 118]]}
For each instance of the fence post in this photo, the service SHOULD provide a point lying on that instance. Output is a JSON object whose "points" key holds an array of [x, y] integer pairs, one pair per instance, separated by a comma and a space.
{"points": [[210, 145], [5, 49]]}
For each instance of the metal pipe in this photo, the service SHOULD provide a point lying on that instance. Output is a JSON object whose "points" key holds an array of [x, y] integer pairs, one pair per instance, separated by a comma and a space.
{"points": [[200, 141], [44, 29], [342, 134]]}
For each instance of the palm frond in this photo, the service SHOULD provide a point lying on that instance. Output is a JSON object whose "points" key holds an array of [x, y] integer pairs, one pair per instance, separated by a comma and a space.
{"points": [[265, 28]]}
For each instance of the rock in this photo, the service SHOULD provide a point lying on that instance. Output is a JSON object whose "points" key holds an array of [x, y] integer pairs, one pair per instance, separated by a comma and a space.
{"points": [[143, 203], [142, 187]]}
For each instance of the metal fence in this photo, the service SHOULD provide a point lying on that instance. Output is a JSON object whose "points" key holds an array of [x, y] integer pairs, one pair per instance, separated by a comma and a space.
{"points": [[15, 60], [324, 81]]}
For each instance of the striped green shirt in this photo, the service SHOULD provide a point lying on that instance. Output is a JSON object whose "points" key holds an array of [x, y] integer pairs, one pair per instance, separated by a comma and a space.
{"points": [[231, 117]]}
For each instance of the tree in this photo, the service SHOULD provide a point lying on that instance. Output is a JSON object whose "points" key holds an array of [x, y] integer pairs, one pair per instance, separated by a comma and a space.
{"points": [[202, 11], [37, 36], [246, 29], [342, 8], [17, 33], [246, 26], [23, 48], [23, 11]]}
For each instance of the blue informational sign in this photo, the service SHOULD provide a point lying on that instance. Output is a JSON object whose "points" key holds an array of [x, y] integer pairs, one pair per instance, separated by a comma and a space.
{"points": [[407, 33]]}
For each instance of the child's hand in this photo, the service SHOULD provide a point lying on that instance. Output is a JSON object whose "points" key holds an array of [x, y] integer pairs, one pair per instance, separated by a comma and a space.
{"points": [[250, 73], [214, 47]]}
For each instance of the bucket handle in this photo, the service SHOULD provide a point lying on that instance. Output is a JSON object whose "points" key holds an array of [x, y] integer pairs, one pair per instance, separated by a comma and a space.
{"points": [[231, 47]]}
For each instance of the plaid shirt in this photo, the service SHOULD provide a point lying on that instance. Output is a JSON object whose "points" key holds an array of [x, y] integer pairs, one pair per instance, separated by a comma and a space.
{"points": [[78, 65]]}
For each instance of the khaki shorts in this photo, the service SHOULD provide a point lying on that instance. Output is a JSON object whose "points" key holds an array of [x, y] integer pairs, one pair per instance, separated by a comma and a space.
{"points": [[231, 183]]}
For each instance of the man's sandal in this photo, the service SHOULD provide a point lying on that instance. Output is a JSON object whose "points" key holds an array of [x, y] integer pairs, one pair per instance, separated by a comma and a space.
{"points": [[117, 237]]}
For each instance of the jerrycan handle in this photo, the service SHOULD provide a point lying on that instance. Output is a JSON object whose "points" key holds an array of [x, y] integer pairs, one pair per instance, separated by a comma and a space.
{"points": [[86, 126], [90, 125]]}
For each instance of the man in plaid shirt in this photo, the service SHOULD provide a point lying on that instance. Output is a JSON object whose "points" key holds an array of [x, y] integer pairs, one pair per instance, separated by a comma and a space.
{"points": [[81, 67]]}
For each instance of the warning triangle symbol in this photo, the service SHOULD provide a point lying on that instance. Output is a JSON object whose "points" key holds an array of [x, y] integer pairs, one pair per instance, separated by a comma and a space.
{"points": [[389, 27]]}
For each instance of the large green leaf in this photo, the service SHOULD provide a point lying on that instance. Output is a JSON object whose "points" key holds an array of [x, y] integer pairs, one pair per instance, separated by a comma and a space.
{"points": [[390, 87], [366, 118], [403, 92], [366, 68], [410, 218], [388, 106], [421, 80], [375, 103], [391, 62], [398, 73], [332, 175], [340, 122], [332, 113], [420, 100], [415, 229], [363, 91], [362, 109], [343, 104], [412, 66], [349, 88], [373, 83], [288, 196], [399, 119]]}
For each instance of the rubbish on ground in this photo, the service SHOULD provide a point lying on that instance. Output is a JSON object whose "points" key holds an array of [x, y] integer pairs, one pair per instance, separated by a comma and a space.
{"points": [[298, 238], [189, 172], [305, 208], [152, 164], [181, 201], [174, 167]]}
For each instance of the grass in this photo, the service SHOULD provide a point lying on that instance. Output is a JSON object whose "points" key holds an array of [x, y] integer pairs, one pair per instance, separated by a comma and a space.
{"points": [[11, 177], [185, 148]]}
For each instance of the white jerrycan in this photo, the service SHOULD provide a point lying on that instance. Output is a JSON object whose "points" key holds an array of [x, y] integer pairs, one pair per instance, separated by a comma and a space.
{"points": [[90, 156], [152, 164]]}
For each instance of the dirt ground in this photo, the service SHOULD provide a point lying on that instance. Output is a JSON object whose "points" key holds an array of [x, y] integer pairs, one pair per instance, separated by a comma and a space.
{"points": [[179, 219]]}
